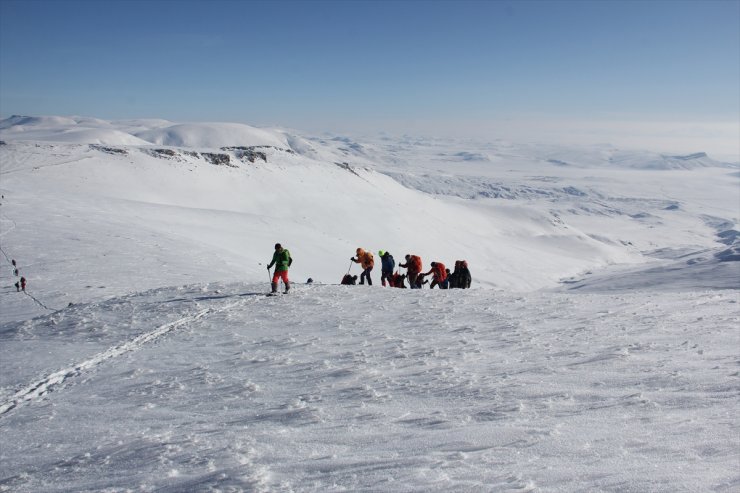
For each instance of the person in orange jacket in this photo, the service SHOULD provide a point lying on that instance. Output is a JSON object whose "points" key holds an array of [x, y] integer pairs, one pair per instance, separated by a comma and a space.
{"points": [[365, 259], [439, 274]]}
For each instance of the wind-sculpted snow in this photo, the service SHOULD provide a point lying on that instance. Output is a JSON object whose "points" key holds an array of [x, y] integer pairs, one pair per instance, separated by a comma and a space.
{"points": [[336, 388]]}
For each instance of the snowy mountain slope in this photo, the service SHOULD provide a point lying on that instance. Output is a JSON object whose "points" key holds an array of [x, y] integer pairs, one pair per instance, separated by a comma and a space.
{"points": [[145, 356], [226, 222], [348, 389], [525, 230]]}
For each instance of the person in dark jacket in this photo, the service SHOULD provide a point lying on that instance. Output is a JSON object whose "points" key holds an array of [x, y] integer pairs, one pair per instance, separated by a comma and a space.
{"points": [[281, 260], [387, 266], [419, 282], [460, 277], [349, 280]]}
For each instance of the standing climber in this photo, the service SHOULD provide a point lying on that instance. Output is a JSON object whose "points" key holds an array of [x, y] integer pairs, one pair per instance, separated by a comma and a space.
{"points": [[413, 268], [387, 266], [23, 283], [439, 275], [281, 260], [461, 275], [366, 260]]}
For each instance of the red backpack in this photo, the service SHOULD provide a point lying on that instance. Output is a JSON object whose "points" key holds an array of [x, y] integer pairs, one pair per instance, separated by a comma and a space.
{"points": [[440, 271]]}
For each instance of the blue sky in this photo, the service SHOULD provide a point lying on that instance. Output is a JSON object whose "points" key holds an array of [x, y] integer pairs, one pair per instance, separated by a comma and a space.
{"points": [[372, 65]]}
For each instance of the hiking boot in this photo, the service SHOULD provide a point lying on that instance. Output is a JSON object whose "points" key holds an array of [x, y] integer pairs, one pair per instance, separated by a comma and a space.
{"points": [[274, 287], [287, 287]]}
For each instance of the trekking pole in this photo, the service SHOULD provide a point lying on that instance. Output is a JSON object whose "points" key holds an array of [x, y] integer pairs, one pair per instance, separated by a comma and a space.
{"points": [[269, 274], [350, 266]]}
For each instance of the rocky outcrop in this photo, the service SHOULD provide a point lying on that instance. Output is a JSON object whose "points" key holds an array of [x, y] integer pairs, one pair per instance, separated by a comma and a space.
{"points": [[116, 151], [162, 153], [218, 159], [250, 154], [244, 153], [345, 166]]}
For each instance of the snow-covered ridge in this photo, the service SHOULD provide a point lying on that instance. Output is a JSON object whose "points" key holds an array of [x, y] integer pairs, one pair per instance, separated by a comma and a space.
{"points": [[229, 156], [212, 135]]}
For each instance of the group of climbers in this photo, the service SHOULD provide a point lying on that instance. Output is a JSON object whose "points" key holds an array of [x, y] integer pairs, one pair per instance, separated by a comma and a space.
{"points": [[441, 276], [390, 276]]}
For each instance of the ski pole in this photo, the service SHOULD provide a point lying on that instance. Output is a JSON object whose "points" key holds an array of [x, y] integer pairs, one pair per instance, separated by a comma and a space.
{"points": [[350, 266]]}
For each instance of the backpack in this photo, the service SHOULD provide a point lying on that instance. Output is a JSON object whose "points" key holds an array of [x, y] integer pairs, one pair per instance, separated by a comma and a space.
{"points": [[440, 271], [415, 262]]}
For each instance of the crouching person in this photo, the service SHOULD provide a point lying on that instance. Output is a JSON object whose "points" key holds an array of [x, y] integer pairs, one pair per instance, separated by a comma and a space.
{"points": [[349, 280]]}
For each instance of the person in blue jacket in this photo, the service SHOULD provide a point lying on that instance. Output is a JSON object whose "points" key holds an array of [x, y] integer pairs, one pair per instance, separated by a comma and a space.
{"points": [[388, 264]]}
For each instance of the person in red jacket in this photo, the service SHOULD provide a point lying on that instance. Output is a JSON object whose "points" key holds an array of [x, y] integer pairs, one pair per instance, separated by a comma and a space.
{"points": [[439, 274], [413, 268]]}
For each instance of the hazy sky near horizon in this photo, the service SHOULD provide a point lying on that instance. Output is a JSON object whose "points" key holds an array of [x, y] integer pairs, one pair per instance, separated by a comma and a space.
{"points": [[435, 66]]}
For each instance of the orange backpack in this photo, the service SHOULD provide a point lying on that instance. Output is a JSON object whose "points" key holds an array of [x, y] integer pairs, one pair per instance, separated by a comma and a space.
{"points": [[440, 271]]}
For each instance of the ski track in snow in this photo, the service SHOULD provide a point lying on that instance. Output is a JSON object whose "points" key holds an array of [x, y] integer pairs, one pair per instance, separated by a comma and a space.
{"points": [[51, 382]]}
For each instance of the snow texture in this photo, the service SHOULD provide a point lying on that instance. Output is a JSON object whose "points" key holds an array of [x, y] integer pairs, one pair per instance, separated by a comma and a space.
{"points": [[596, 351]]}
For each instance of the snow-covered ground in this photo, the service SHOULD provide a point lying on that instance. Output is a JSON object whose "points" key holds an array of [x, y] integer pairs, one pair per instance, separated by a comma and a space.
{"points": [[597, 351]]}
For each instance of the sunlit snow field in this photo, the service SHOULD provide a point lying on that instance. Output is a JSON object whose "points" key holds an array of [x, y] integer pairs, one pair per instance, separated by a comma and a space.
{"points": [[598, 349]]}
